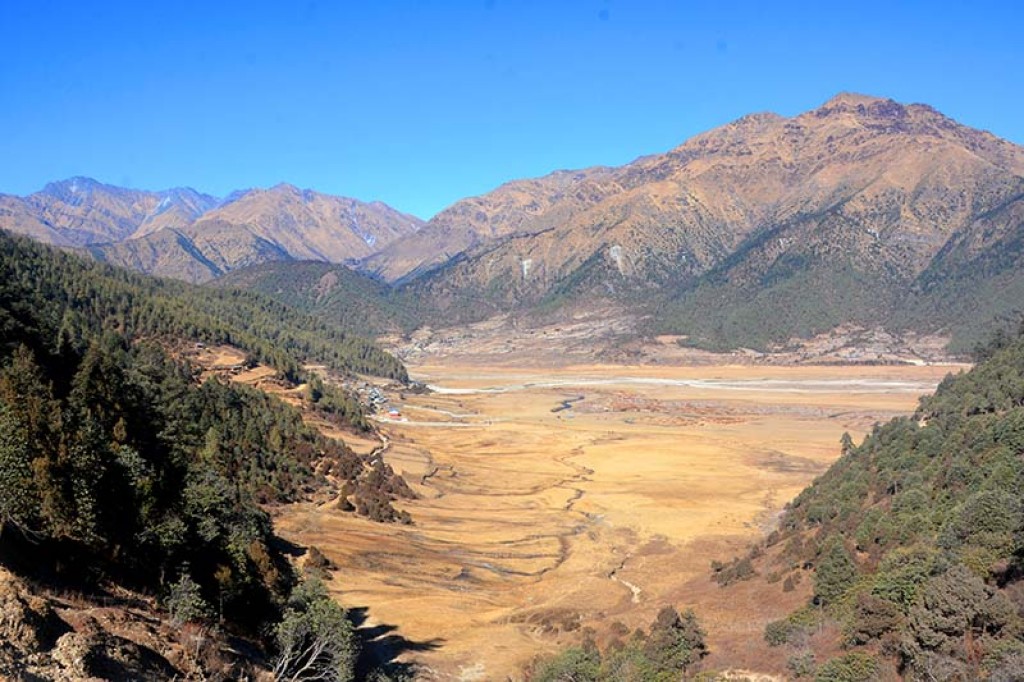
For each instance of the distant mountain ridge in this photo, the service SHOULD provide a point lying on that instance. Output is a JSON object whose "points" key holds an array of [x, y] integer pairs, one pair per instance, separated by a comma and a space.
{"points": [[863, 210], [82, 211], [184, 234]]}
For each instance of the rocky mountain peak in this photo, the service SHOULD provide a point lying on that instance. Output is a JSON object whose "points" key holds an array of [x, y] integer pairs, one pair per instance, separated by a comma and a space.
{"points": [[852, 100], [886, 115], [284, 188], [73, 190]]}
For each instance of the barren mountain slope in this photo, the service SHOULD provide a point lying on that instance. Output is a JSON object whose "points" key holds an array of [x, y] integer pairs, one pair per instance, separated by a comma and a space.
{"points": [[518, 207], [190, 256], [258, 226], [184, 234], [860, 184], [81, 211], [313, 226]]}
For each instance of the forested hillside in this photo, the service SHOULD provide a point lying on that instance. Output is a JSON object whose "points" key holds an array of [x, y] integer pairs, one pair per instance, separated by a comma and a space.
{"points": [[76, 296], [914, 541], [333, 293], [119, 472]]}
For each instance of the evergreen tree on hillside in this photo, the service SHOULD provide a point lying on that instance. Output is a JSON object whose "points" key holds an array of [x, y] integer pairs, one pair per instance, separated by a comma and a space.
{"points": [[834, 574], [118, 469], [57, 299], [671, 651], [931, 507]]}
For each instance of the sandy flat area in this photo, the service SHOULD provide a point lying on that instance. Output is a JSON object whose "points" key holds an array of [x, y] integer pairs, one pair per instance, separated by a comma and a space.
{"points": [[534, 523]]}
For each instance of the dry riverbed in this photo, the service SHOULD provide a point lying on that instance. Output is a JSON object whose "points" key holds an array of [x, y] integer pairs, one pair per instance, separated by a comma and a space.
{"points": [[553, 499]]}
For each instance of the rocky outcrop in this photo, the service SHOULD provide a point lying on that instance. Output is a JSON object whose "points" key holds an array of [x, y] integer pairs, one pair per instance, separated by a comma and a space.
{"points": [[49, 637]]}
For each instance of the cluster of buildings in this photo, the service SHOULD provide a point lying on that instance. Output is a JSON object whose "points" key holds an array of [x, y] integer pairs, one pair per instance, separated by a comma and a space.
{"points": [[378, 401]]}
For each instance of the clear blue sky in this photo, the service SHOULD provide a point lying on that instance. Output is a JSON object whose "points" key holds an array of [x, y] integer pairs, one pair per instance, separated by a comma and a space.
{"points": [[419, 103]]}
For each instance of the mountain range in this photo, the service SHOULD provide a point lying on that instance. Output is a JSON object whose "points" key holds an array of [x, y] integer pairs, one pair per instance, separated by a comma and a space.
{"points": [[863, 210], [188, 235]]}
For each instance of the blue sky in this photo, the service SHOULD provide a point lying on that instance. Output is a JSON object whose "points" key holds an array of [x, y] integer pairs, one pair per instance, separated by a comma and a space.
{"points": [[421, 102]]}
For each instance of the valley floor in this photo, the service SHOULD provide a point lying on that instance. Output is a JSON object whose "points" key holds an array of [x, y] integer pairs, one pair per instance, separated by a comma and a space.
{"points": [[559, 498]]}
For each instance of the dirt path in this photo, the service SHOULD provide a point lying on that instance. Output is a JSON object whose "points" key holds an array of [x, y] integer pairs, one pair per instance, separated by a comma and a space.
{"points": [[532, 524]]}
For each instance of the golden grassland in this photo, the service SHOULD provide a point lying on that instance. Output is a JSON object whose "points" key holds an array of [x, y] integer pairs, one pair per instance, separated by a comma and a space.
{"points": [[533, 524]]}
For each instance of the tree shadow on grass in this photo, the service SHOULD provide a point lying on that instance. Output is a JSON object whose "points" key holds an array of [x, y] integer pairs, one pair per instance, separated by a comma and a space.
{"points": [[287, 547], [381, 646]]}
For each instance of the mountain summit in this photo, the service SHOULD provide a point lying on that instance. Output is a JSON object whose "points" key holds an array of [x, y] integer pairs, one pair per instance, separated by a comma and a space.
{"points": [[860, 210], [81, 211]]}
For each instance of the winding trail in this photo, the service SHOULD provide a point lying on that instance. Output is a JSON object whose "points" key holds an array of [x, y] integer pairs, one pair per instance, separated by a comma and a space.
{"points": [[633, 589]]}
